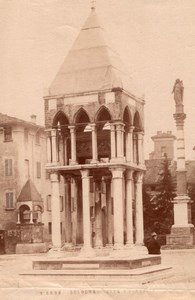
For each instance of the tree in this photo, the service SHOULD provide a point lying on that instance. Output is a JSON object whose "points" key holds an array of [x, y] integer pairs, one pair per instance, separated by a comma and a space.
{"points": [[158, 208]]}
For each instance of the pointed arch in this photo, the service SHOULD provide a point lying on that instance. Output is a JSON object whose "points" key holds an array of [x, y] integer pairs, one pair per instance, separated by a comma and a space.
{"points": [[137, 123], [127, 118], [103, 114], [60, 118], [81, 116]]}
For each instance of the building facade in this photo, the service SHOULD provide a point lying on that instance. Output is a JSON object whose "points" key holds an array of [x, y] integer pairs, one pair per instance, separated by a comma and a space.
{"points": [[94, 126], [23, 183]]}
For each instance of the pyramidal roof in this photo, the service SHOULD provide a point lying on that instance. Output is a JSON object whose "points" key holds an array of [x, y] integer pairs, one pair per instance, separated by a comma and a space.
{"points": [[91, 65], [29, 193]]}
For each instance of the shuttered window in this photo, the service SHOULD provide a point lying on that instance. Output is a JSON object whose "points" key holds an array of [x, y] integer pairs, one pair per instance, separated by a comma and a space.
{"points": [[9, 200], [38, 169], [8, 167]]}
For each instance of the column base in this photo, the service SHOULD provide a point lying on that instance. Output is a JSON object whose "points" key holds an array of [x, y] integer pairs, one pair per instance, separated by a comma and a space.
{"points": [[109, 246], [87, 252], [55, 252], [118, 160], [129, 246], [73, 162], [94, 161], [140, 249]]}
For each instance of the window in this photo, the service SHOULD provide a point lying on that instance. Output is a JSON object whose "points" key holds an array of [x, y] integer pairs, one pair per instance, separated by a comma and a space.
{"points": [[50, 227], [7, 134], [49, 202], [26, 135], [37, 138], [163, 150], [38, 169], [8, 167], [9, 200], [27, 174]]}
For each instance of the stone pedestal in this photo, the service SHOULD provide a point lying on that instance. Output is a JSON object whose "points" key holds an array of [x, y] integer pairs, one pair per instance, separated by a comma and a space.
{"points": [[182, 232]]}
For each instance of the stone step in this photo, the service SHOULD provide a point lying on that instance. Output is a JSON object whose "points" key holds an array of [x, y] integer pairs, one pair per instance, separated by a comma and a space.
{"points": [[72, 278], [97, 263]]}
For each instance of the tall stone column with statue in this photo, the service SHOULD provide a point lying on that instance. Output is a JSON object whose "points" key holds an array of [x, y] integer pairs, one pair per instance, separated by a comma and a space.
{"points": [[182, 231]]}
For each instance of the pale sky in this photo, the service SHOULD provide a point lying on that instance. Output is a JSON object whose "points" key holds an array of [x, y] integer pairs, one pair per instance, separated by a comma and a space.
{"points": [[154, 38]]}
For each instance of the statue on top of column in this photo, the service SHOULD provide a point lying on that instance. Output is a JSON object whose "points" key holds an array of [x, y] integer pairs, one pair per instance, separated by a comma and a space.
{"points": [[178, 91]]}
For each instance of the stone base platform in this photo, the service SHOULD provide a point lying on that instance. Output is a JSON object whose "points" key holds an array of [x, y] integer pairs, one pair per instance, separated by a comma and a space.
{"points": [[31, 248], [104, 271], [117, 278], [101, 263]]}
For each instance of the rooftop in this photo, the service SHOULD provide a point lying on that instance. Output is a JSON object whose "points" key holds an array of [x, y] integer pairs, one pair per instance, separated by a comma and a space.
{"points": [[91, 64]]}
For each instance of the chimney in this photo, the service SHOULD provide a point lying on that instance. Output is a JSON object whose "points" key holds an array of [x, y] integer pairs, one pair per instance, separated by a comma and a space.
{"points": [[33, 119]]}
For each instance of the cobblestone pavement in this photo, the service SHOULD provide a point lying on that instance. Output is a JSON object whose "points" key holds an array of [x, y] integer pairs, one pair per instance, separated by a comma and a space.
{"points": [[182, 281]]}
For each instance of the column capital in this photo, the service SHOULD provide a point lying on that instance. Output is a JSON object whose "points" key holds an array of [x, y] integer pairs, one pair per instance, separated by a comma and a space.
{"points": [[53, 132], [72, 127], [131, 128], [119, 126], [139, 177], [54, 177], [117, 172], [93, 125], [129, 174], [84, 173]]}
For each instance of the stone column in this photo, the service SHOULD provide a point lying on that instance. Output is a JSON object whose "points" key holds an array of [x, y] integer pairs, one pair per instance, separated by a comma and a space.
{"points": [[68, 221], [113, 141], [128, 145], [129, 208], [131, 142], [54, 147], [98, 217], [135, 147], [117, 178], [74, 209], [49, 154], [65, 151], [140, 147], [87, 248], [55, 208], [109, 211], [139, 224], [31, 217], [18, 215], [119, 143], [182, 232], [73, 160], [94, 144]]}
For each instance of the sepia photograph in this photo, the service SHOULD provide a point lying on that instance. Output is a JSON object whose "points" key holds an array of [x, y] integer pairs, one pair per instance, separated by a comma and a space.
{"points": [[97, 149]]}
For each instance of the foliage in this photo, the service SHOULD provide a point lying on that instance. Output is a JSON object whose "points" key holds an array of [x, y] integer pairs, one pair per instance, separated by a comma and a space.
{"points": [[158, 207]]}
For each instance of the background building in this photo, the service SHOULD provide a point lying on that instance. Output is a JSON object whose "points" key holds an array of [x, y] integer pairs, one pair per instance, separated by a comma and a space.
{"points": [[23, 180]]}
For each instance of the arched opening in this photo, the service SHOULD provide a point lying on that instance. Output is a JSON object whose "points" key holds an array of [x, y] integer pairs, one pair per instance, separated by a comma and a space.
{"points": [[103, 134], [137, 129], [61, 123], [127, 125], [83, 137], [37, 214], [24, 212]]}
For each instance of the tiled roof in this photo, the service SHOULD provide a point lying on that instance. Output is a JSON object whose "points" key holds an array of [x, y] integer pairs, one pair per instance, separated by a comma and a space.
{"points": [[6, 120], [91, 64], [29, 193]]}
